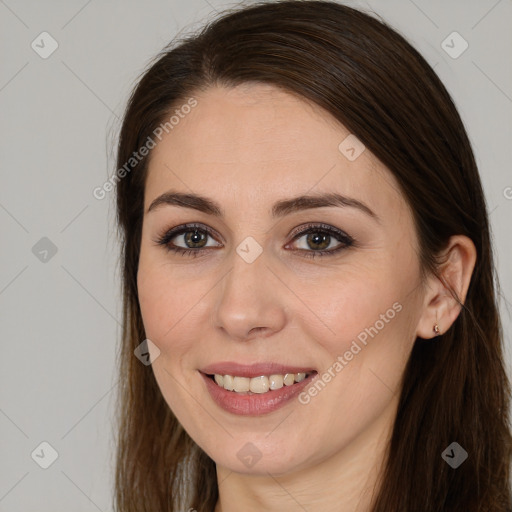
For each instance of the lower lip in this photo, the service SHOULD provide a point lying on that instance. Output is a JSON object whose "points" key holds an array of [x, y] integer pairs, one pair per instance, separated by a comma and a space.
{"points": [[257, 403]]}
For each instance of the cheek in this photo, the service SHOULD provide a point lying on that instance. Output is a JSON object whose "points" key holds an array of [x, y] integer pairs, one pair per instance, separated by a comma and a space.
{"points": [[370, 315], [163, 300], [155, 301], [346, 305], [169, 310], [175, 308], [366, 356]]}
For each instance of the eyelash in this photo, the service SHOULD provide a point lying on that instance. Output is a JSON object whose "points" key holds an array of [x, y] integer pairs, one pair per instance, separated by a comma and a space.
{"points": [[346, 240]]}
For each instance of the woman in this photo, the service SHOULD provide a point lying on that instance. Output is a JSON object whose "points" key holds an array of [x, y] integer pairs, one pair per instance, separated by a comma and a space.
{"points": [[307, 267]]}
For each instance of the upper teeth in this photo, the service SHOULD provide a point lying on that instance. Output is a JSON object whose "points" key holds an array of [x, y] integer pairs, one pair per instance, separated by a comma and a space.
{"points": [[259, 384]]}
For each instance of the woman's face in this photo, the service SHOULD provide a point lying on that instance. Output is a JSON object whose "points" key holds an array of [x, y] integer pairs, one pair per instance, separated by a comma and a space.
{"points": [[274, 287]]}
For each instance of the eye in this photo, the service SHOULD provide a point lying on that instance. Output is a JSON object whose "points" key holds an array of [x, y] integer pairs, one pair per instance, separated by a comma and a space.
{"points": [[319, 239], [190, 239]]}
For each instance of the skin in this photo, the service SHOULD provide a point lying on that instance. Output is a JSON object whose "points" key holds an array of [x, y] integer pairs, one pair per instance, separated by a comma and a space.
{"points": [[246, 148]]}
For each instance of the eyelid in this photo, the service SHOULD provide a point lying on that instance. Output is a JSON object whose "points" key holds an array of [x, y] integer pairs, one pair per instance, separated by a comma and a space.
{"points": [[319, 226], [167, 234]]}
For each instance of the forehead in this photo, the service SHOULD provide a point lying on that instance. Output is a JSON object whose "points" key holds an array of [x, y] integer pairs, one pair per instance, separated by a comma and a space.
{"points": [[255, 144]]}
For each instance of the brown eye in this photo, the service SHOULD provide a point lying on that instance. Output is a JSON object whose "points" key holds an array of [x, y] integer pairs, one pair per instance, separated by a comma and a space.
{"points": [[189, 240], [318, 240], [323, 240], [195, 239]]}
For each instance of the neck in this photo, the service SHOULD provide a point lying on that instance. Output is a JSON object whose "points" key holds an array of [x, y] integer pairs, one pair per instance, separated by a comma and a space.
{"points": [[348, 480]]}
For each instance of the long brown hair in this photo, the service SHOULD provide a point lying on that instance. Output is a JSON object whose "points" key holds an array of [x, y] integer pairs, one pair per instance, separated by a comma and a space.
{"points": [[370, 79]]}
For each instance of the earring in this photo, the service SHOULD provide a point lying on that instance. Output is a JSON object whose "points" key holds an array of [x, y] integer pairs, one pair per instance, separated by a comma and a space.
{"points": [[436, 330]]}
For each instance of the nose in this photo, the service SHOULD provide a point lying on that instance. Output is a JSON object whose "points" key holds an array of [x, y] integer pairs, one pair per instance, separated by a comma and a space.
{"points": [[250, 301]]}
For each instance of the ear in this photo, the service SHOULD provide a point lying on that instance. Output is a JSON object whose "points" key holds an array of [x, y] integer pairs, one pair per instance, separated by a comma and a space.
{"points": [[454, 273]]}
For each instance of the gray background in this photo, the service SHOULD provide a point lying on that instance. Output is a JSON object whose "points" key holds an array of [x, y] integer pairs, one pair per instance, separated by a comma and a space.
{"points": [[60, 313]]}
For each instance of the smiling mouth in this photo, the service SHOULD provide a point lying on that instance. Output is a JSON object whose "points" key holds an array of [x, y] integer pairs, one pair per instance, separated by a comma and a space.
{"points": [[258, 385]]}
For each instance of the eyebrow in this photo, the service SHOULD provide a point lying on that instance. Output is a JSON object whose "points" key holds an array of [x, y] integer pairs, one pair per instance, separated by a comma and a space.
{"points": [[279, 209]]}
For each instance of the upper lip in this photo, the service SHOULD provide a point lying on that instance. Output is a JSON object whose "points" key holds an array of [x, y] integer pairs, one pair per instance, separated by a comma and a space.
{"points": [[252, 370]]}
